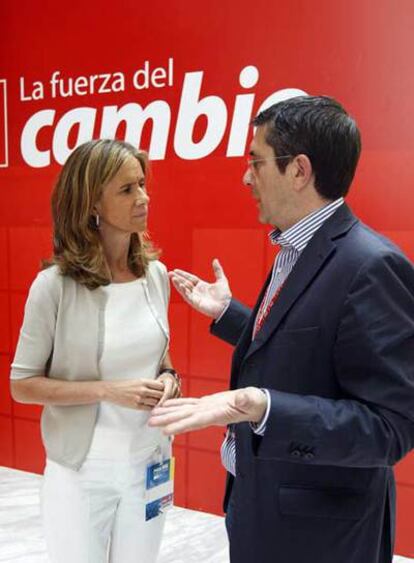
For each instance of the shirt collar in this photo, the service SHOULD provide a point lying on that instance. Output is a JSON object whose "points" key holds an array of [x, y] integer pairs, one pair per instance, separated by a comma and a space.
{"points": [[298, 236]]}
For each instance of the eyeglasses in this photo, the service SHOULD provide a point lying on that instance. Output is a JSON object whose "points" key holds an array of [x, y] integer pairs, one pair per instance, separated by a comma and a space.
{"points": [[252, 162]]}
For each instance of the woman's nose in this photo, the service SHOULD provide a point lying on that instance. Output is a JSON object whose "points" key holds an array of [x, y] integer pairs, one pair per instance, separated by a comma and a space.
{"points": [[141, 196]]}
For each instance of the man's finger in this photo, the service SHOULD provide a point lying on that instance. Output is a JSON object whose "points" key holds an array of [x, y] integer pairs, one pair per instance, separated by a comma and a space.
{"points": [[195, 421], [183, 290], [183, 275], [169, 416], [178, 403], [218, 270], [182, 281], [178, 284]]}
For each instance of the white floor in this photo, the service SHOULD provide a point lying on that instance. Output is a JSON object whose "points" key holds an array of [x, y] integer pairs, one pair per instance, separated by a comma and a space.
{"points": [[190, 536]]}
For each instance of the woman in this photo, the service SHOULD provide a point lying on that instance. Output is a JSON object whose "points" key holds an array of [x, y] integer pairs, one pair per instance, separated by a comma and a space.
{"points": [[93, 349]]}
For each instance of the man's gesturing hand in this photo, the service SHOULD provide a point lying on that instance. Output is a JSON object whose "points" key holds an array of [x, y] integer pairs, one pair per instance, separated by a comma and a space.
{"points": [[208, 298], [182, 415]]}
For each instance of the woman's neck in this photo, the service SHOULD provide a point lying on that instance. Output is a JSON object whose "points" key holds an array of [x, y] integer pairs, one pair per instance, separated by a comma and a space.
{"points": [[116, 248]]}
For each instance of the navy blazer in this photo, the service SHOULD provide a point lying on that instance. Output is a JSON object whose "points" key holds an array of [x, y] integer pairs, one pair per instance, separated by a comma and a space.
{"points": [[337, 354]]}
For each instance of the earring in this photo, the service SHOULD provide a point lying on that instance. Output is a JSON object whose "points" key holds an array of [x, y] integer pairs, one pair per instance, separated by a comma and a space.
{"points": [[97, 221]]}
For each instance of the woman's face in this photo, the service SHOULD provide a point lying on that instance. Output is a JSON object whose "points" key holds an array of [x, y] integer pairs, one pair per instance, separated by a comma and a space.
{"points": [[123, 205]]}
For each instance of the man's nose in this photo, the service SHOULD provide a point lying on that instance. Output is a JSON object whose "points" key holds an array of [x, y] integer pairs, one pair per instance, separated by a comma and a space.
{"points": [[248, 178]]}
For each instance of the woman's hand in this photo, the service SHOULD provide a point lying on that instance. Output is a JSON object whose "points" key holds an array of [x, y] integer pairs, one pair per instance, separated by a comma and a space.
{"points": [[141, 394], [172, 388]]}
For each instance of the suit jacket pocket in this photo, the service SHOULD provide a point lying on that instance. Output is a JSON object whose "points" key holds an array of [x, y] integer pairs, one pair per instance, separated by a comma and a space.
{"points": [[334, 503], [306, 336]]}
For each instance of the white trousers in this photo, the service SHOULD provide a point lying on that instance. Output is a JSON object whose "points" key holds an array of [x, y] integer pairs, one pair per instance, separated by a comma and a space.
{"points": [[97, 514]]}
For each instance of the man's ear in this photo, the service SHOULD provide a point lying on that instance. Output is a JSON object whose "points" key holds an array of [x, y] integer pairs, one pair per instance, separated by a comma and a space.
{"points": [[301, 171]]}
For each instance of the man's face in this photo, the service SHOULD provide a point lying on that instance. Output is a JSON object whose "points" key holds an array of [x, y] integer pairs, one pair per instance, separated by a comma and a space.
{"points": [[270, 188]]}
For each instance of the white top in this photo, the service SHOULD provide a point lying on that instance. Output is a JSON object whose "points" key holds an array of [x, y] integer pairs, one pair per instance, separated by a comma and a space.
{"points": [[62, 337], [133, 346]]}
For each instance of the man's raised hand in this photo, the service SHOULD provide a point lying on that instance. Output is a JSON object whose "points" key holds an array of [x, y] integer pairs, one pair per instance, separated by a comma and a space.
{"points": [[211, 299]]}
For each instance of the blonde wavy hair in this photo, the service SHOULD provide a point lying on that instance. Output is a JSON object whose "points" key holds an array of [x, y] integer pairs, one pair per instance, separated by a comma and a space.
{"points": [[77, 247]]}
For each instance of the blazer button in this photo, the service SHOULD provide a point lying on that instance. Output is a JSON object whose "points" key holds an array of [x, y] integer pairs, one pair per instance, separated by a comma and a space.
{"points": [[309, 455], [296, 453]]}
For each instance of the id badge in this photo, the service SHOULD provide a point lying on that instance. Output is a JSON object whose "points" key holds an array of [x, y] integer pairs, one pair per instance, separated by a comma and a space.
{"points": [[159, 487]]}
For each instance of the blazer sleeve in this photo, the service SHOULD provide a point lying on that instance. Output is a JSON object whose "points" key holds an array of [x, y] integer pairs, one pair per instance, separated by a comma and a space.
{"points": [[373, 424], [36, 339], [231, 325]]}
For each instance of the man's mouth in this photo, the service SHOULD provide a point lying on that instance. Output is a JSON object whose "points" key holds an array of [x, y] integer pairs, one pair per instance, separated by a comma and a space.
{"points": [[141, 214]]}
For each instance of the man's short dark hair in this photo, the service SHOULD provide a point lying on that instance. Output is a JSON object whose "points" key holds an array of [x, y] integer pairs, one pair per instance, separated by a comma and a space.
{"points": [[319, 127]]}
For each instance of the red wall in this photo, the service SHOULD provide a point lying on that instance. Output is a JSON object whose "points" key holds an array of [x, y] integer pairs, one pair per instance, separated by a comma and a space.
{"points": [[357, 51]]}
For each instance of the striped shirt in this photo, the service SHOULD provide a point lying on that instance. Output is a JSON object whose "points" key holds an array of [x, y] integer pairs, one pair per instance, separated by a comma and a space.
{"points": [[292, 242]]}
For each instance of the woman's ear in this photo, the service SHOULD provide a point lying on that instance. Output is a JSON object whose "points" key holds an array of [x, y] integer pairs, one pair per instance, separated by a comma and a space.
{"points": [[96, 210]]}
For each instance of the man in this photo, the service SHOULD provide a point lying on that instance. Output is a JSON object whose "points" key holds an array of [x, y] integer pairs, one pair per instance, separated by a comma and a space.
{"points": [[321, 404]]}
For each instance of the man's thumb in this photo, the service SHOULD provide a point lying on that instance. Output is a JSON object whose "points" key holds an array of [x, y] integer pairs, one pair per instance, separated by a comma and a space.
{"points": [[242, 400], [218, 270]]}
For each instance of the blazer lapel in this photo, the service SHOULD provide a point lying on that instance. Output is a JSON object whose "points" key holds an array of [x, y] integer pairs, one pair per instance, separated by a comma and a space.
{"points": [[310, 263], [246, 337]]}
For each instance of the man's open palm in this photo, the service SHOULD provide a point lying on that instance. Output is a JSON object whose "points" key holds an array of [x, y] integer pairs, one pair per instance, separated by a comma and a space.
{"points": [[208, 298]]}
